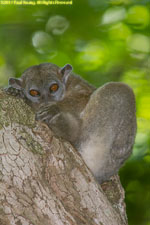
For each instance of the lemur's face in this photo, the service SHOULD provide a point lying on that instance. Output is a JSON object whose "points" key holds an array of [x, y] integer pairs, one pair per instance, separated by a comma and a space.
{"points": [[43, 83]]}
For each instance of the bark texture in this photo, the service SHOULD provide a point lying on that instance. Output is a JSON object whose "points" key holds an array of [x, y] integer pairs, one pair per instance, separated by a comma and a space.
{"points": [[43, 179]]}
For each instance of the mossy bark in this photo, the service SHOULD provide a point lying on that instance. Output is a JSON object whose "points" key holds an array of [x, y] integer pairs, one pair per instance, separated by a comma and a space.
{"points": [[43, 179]]}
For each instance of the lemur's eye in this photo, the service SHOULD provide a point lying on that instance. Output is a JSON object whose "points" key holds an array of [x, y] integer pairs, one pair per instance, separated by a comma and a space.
{"points": [[34, 93], [53, 87]]}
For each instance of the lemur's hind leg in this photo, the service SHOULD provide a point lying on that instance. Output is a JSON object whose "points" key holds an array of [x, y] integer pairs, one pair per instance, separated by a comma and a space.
{"points": [[108, 129]]}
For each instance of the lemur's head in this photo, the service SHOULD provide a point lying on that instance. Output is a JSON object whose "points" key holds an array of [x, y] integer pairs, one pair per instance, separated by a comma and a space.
{"points": [[43, 83]]}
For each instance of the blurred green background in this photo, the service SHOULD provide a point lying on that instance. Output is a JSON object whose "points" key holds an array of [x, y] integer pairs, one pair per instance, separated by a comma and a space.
{"points": [[104, 40]]}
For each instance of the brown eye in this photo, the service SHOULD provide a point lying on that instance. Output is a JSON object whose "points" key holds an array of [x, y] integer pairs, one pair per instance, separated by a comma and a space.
{"points": [[34, 93], [54, 87]]}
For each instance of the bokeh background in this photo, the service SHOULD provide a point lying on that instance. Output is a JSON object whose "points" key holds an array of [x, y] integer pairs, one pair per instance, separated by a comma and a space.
{"points": [[104, 40]]}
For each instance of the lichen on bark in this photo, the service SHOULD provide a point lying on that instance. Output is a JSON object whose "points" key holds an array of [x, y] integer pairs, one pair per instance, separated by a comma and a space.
{"points": [[14, 110], [43, 179]]}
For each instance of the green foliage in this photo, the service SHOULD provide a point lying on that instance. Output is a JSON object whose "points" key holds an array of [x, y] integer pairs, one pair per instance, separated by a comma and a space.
{"points": [[104, 41]]}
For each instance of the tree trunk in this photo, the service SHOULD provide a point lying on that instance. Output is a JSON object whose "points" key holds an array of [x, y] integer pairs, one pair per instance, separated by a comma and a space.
{"points": [[43, 179]]}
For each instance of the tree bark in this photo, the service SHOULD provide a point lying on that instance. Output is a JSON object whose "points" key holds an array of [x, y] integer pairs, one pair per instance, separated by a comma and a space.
{"points": [[43, 179]]}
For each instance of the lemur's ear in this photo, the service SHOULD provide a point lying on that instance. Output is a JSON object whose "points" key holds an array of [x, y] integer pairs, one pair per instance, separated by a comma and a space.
{"points": [[15, 83], [65, 71]]}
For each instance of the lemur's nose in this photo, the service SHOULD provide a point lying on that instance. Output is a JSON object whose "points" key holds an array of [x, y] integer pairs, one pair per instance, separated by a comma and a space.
{"points": [[44, 97]]}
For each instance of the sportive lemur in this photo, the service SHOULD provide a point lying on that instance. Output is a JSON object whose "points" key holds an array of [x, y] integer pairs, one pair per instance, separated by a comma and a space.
{"points": [[100, 123]]}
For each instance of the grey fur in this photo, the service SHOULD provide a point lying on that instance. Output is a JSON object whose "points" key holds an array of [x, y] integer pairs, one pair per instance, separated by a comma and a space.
{"points": [[100, 123]]}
